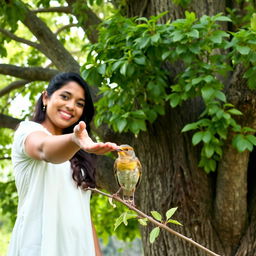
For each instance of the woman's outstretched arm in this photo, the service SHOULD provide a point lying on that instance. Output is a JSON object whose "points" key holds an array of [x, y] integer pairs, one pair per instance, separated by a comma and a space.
{"points": [[60, 148]]}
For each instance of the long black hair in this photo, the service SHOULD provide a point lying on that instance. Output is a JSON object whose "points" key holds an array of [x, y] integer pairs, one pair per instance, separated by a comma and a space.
{"points": [[82, 163]]}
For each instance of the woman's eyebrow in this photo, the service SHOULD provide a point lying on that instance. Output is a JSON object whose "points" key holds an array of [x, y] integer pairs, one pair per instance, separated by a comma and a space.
{"points": [[69, 93]]}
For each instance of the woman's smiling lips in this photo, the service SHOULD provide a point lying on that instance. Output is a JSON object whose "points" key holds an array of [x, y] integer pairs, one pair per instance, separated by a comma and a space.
{"points": [[65, 115]]}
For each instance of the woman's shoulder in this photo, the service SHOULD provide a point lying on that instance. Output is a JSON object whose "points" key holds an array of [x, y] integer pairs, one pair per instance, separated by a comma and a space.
{"points": [[27, 126]]}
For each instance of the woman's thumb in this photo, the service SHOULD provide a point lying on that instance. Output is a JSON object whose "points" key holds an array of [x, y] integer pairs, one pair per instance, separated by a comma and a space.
{"points": [[80, 127]]}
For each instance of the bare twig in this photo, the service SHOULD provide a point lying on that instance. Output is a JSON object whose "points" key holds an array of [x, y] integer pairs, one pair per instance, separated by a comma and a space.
{"points": [[157, 223]]}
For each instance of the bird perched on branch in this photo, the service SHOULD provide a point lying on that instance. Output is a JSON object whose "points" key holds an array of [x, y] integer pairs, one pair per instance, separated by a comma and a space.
{"points": [[127, 172]]}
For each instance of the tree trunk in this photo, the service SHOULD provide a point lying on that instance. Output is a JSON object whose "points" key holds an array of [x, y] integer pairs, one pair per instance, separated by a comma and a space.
{"points": [[171, 178], [213, 208]]}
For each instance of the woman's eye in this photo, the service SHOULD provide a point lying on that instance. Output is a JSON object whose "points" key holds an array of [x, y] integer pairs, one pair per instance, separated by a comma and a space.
{"points": [[64, 97], [80, 104]]}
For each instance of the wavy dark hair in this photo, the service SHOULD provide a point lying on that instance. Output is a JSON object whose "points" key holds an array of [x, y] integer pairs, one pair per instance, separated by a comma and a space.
{"points": [[82, 163]]}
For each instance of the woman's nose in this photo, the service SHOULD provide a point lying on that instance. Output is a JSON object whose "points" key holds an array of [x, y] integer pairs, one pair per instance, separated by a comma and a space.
{"points": [[70, 105]]}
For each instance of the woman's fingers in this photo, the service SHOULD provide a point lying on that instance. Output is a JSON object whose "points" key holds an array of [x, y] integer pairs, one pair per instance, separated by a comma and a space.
{"points": [[80, 128], [101, 148]]}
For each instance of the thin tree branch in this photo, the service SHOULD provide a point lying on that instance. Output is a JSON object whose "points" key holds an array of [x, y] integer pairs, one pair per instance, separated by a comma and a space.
{"points": [[5, 158], [30, 74], [19, 39], [155, 222], [51, 46], [12, 86], [90, 20], [66, 27], [62, 9], [8, 122]]}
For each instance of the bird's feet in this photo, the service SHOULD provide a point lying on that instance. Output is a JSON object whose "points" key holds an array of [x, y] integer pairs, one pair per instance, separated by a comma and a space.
{"points": [[117, 193]]}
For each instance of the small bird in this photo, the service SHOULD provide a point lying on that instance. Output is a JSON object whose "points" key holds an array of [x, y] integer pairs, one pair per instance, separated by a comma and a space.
{"points": [[128, 172]]}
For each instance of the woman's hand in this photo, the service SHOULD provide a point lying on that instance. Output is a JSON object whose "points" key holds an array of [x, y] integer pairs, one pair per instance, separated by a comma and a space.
{"points": [[83, 140]]}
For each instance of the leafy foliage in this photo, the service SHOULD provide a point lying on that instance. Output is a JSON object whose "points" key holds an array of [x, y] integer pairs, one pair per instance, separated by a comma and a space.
{"points": [[127, 215], [103, 218], [128, 66]]}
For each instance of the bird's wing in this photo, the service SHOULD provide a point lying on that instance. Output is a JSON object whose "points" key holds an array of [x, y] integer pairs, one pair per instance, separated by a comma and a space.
{"points": [[115, 170], [140, 171]]}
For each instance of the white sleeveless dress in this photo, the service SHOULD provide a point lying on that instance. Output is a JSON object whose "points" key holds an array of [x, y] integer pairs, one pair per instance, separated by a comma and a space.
{"points": [[53, 214]]}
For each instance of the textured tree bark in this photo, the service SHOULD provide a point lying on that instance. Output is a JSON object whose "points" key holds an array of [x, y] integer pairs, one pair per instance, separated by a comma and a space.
{"points": [[214, 211], [31, 73], [171, 178], [8, 122]]}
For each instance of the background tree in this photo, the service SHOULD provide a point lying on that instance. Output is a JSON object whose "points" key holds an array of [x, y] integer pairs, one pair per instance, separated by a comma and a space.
{"points": [[156, 77]]}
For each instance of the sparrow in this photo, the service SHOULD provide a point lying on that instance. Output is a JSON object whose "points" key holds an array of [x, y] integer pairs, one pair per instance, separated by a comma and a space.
{"points": [[128, 172]]}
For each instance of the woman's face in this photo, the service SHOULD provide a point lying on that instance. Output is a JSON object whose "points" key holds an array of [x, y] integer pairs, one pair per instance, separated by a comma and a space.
{"points": [[64, 107]]}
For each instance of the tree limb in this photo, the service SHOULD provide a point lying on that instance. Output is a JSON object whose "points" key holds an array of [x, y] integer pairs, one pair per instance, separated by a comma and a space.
{"points": [[19, 39], [154, 221], [30, 74], [51, 46], [12, 86], [66, 27], [62, 9], [90, 20], [8, 122]]}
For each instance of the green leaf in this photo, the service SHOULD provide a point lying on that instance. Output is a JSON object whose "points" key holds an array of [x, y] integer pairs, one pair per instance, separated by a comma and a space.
{"points": [[143, 222], [155, 38], [156, 215], [165, 55], [137, 125], [251, 138], [193, 33], [244, 50], [125, 218], [174, 222], [110, 199], [222, 18], [189, 127], [221, 96], [121, 124], [242, 144], [116, 65], [140, 60], [124, 69], [118, 222], [154, 234], [177, 35], [207, 92], [209, 150], [102, 69], [253, 22], [196, 80], [234, 111], [174, 100], [170, 212], [207, 137], [197, 137], [138, 114]]}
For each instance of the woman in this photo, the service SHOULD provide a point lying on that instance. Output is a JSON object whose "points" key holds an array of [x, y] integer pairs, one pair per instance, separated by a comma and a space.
{"points": [[52, 164]]}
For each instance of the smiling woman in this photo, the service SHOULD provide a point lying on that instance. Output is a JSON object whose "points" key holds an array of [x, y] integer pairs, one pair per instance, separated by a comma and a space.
{"points": [[54, 160]]}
